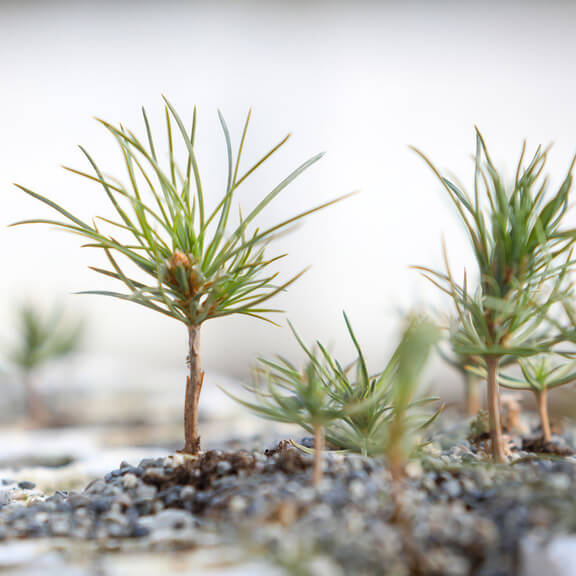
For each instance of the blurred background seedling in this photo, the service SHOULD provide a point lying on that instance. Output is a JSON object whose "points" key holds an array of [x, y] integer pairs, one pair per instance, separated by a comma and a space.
{"points": [[522, 254], [174, 256], [40, 337]]}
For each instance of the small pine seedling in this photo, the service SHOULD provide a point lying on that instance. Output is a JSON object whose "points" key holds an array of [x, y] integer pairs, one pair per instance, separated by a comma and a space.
{"points": [[193, 264], [522, 255], [303, 397]]}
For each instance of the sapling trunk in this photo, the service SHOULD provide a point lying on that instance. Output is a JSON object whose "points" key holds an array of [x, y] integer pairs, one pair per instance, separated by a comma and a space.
{"points": [[496, 437], [193, 388], [473, 396], [319, 445], [542, 400]]}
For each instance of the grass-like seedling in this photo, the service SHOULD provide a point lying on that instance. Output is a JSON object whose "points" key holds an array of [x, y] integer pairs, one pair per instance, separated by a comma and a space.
{"points": [[191, 264], [419, 338], [520, 249], [540, 376], [40, 338]]}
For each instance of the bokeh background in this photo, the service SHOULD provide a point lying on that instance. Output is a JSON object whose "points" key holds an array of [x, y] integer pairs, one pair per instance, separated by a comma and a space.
{"points": [[360, 80]]}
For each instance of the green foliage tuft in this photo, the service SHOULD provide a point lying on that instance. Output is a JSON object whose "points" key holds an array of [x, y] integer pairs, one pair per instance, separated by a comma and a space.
{"points": [[41, 338], [357, 409], [522, 255], [195, 264]]}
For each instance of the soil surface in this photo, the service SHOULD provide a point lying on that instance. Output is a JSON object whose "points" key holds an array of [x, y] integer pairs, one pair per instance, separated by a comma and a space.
{"points": [[455, 513]]}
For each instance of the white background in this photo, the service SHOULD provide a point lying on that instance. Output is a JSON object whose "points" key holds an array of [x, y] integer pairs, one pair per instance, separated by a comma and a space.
{"points": [[359, 80]]}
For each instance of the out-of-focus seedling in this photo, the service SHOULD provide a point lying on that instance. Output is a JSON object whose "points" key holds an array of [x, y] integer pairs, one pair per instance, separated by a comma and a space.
{"points": [[522, 255], [419, 337], [191, 264], [38, 339]]}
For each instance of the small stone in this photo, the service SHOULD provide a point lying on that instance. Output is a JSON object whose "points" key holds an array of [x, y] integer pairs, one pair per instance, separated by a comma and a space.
{"points": [[357, 489], [452, 488], [25, 485], [139, 531], [237, 504], [168, 520], [224, 467], [154, 475], [187, 493], [414, 469], [129, 481]]}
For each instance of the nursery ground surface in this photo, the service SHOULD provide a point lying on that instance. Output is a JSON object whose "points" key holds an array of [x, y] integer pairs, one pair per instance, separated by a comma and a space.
{"points": [[256, 512]]}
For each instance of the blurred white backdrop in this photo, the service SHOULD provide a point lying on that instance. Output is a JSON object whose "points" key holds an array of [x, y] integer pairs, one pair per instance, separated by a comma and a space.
{"points": [[360, 80]]}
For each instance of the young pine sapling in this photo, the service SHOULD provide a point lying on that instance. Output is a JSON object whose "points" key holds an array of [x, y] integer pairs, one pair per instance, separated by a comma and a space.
{"points": [[520, 247], [193, 264]]}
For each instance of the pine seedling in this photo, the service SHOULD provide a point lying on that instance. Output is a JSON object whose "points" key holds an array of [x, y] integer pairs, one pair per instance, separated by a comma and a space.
{"points": [[192, 264], [40, 339], [301, 397], [520, 247], [540, 376]]}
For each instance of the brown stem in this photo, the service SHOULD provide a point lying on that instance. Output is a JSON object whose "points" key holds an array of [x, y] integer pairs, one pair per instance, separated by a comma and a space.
{"points": [[194, 382], [473, 397], [319, 445], [542, 398], [497, 440]]}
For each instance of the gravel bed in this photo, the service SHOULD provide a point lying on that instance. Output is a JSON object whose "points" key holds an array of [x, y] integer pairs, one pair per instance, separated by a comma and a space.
{"points": [[454, 515]]}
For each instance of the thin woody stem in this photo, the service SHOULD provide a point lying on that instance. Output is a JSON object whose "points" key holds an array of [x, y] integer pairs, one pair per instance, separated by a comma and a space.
{"points": [[319, 445], [194, 382], [496, 437], [542, 398], [473, 397]]}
